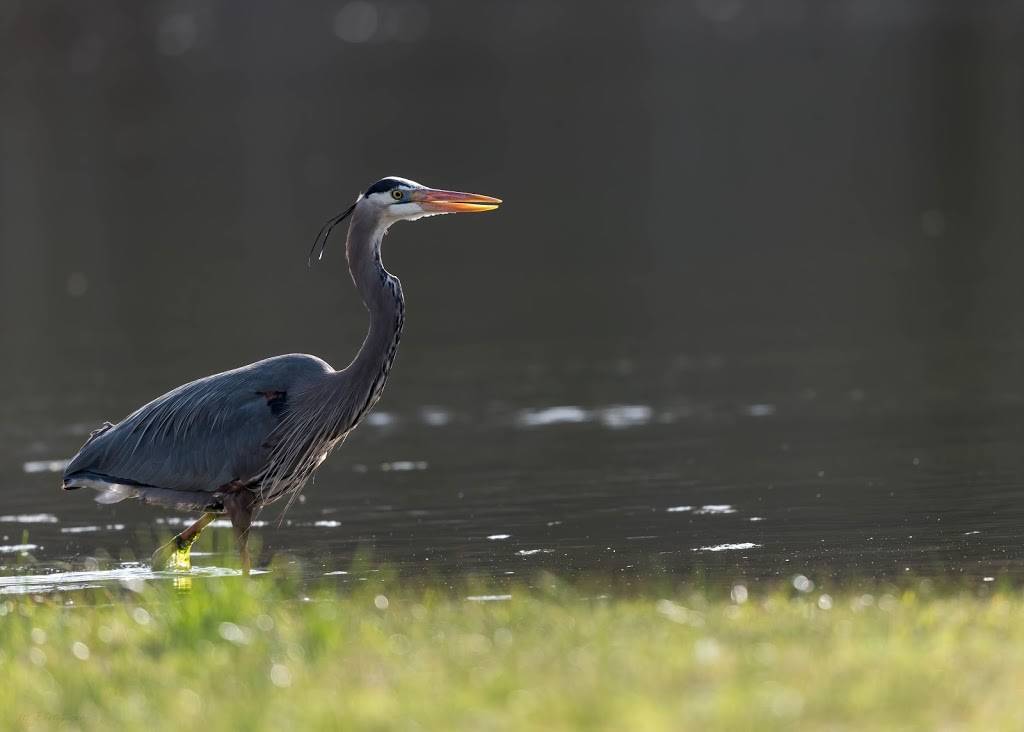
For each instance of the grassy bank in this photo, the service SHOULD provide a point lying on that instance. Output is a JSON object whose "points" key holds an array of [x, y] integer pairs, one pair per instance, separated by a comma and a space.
{"points": [[235, 654]]}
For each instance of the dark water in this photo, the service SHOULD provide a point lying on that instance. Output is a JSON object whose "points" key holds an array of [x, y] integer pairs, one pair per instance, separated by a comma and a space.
{"points": [[752, 306], [816, 479]]}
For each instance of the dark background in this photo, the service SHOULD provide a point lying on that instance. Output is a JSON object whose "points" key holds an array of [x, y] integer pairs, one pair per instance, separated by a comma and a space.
{"points": [[710, 205]]}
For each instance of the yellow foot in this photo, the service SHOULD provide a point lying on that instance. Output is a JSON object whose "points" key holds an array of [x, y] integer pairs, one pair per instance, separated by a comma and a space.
{"points": [[181, 559], [175, 556]]}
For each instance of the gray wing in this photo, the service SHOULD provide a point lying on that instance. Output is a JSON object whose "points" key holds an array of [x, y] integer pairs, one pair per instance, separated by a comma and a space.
{"points": [[202, 435]]}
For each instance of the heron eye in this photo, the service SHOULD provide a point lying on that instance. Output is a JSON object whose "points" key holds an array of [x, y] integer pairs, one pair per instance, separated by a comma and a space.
{"points": [[397, 194]]}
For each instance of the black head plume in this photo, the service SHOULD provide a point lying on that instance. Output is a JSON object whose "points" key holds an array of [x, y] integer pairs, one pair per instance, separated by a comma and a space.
{"points": [[325, 232], [386, 184]]}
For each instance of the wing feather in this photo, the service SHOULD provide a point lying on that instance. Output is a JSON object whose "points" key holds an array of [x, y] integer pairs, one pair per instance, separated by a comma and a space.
{"points": [[202, 435]]}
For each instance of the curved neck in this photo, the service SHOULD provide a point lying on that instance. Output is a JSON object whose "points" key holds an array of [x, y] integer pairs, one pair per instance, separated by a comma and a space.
{"points": [[382, 294]]}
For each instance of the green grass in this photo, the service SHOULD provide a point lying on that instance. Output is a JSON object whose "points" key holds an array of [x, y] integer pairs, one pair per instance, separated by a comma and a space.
{"points": [[253, 654]]}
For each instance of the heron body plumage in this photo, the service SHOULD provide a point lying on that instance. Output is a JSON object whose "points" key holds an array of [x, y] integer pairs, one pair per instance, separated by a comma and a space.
{"points": [[199, 437], [236, 441]]}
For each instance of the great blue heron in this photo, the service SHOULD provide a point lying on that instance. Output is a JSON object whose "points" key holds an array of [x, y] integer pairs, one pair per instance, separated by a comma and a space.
{"points": [[236, 441]]}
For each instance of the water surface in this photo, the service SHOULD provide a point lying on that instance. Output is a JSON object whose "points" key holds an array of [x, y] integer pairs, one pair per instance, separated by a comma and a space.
{"points": [[840, 482]]}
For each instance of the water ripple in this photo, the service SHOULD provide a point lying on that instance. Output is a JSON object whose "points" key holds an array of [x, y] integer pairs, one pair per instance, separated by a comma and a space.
{"points": [[45, 466], [17, 548], [90, 529], [727, 547], [29, 518], [552, 415], [715, 508], [615, 416], [127, 574], [625, 415], [401, 465], [216, 524]]}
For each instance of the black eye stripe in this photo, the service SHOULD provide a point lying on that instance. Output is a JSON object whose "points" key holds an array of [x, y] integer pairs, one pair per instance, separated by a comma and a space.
{"points": [[384, 185]]}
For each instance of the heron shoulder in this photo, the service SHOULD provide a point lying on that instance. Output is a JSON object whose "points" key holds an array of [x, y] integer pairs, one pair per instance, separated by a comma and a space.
{"points": [[291, 367]]}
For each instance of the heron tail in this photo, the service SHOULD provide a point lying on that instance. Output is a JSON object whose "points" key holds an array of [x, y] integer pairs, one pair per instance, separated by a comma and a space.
{"points": [[109, 492]]}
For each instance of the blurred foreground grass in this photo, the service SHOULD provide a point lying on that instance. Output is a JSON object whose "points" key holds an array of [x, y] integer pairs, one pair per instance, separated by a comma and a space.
{"points": [[265, 654]]}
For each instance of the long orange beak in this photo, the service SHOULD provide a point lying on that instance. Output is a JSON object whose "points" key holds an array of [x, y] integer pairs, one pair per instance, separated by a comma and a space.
{"points": [[438, 201]]}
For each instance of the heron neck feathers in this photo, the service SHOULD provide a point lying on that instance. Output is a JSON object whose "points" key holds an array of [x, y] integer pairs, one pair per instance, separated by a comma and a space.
{"points": [[381, 292]]}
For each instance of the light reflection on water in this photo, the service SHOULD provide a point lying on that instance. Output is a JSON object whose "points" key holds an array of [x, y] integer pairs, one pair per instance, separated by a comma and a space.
{"points": [[728, 547], [29, 518], [489, 598], [719, 508], [90, 529], [44, 466], [614, 417], [129, 575], [18, 548]]}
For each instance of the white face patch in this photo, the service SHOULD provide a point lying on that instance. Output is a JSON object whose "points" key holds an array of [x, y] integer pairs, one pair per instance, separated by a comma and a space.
{"points": [[408, 212]]}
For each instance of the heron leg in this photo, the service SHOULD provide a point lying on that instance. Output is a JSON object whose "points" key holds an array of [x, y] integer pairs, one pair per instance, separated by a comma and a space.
{"points": [[177, 553], [239, 507]]}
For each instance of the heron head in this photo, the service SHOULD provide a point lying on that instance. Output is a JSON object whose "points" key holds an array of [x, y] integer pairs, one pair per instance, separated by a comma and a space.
{"points": [[400, 199], [394, 199]]}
